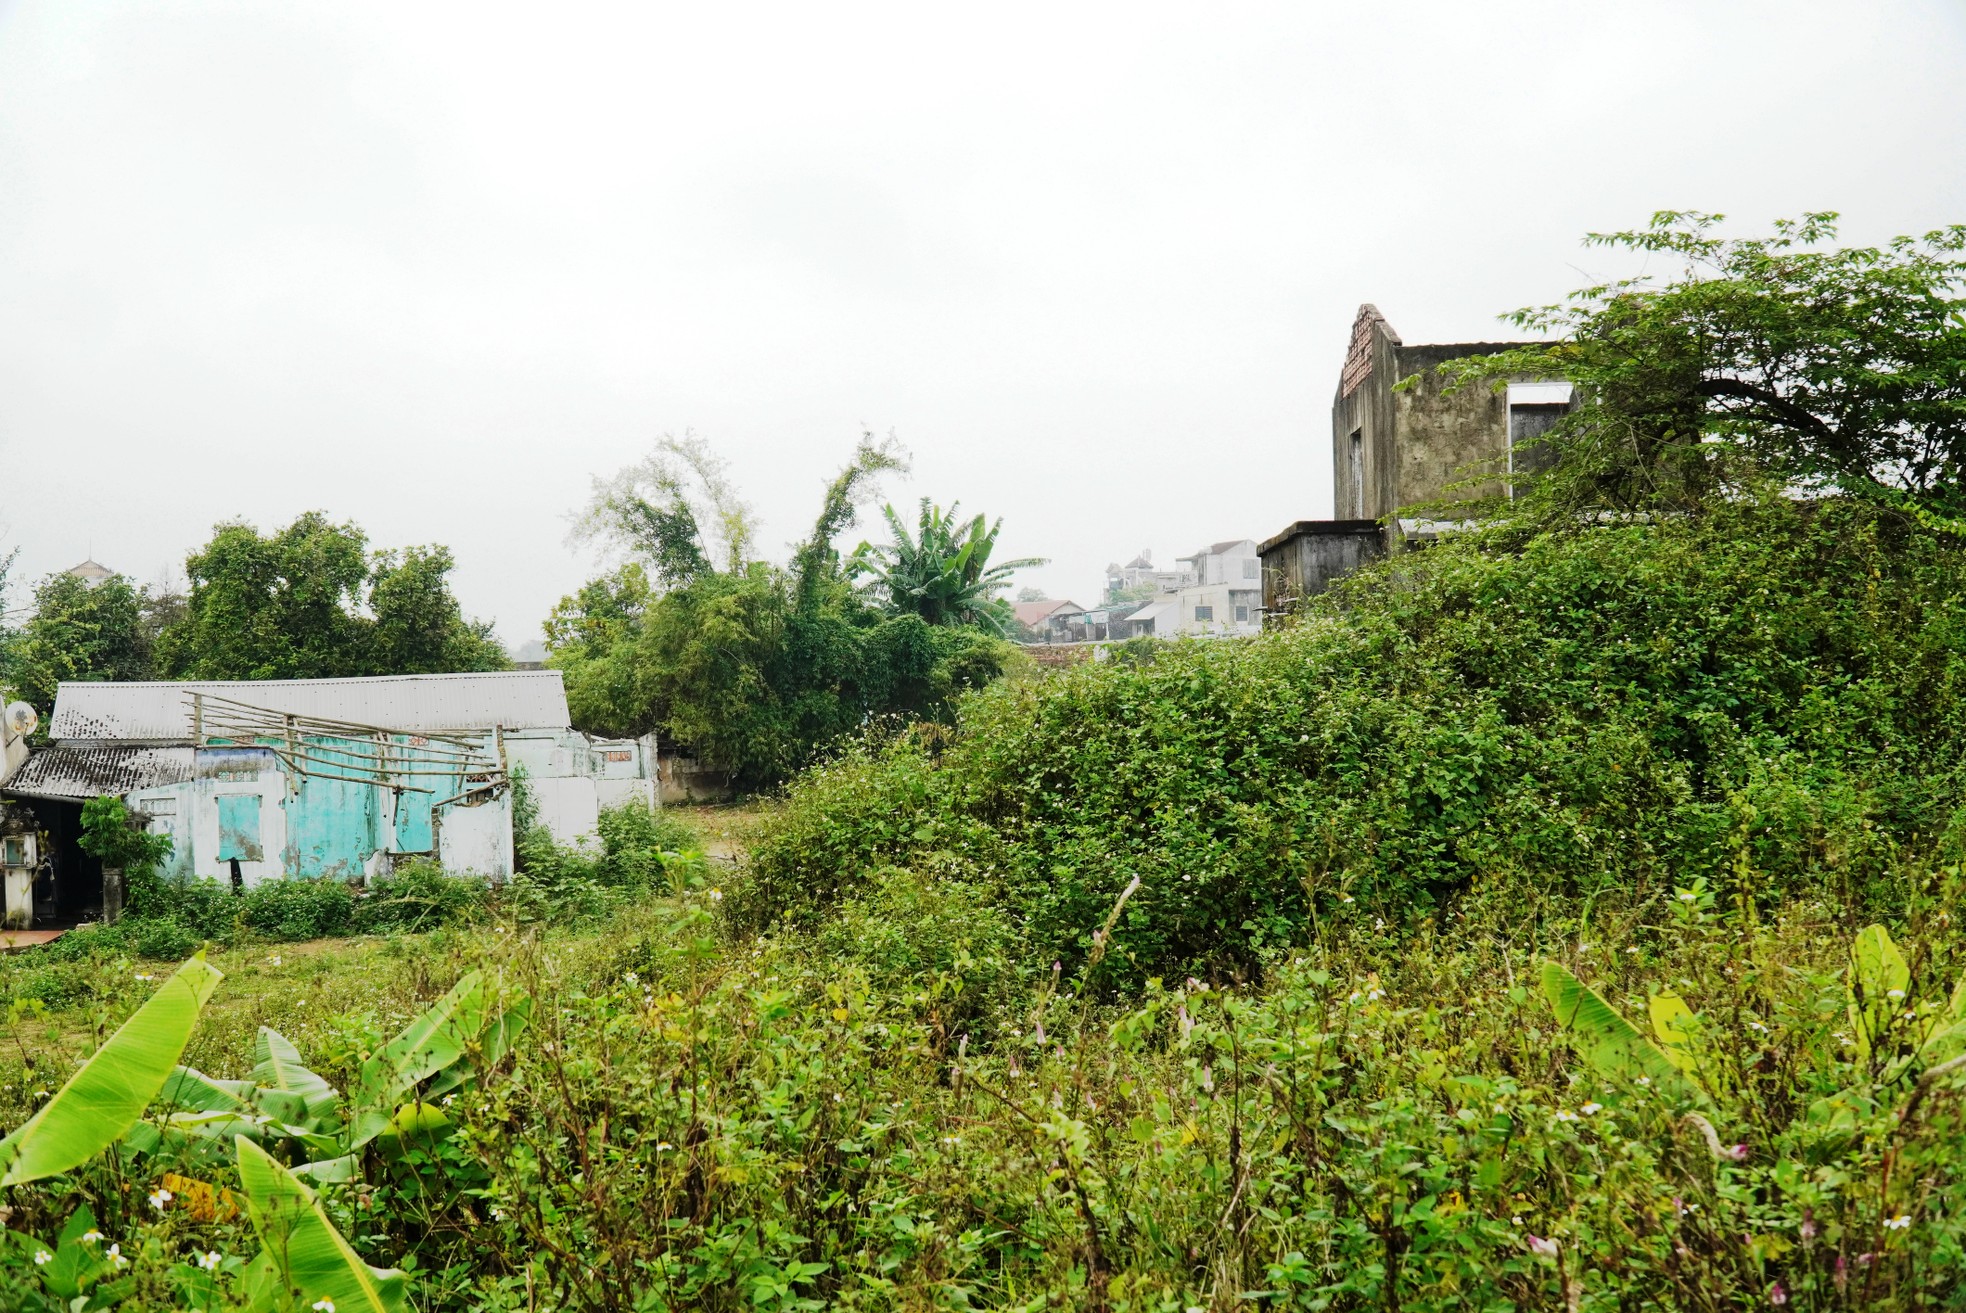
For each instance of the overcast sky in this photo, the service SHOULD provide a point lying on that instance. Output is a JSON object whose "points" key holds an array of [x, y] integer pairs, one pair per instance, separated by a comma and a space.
{"points": [[430, 267]]}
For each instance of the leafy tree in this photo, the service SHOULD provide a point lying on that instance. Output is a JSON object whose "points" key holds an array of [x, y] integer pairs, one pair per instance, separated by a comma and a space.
{"points": [[942, 571], [291, 606], [1766, 360], [753, 667], [79, 631]]}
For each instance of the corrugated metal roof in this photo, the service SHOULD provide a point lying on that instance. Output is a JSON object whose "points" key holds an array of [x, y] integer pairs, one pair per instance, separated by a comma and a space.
{"points": [[89, 770], [413, 704]]}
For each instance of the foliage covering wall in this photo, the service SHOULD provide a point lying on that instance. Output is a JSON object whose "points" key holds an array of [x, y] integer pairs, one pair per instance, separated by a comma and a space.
{"points": [[1769, 697]]}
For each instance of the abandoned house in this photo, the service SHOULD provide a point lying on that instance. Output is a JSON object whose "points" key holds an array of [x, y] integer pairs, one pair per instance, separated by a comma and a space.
{"points": [[259, 780], [1394, 448]]}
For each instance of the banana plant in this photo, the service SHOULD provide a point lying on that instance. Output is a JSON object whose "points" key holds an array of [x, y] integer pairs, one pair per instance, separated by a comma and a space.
{"points": [[466, 1031], [1878, 982], [103, 1100]]}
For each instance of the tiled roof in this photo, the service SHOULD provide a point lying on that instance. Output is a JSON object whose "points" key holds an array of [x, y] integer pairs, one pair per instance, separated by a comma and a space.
{"points": [[89, 770]]}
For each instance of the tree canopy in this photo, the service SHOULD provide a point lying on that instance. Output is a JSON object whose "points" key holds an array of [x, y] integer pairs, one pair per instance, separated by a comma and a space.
{"points": [[311, 602], [79, 631], [754, 667], [1778, 359]]}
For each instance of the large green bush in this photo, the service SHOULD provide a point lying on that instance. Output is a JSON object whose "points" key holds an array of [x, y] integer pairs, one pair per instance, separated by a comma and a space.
{"points": [[1769, 697]]}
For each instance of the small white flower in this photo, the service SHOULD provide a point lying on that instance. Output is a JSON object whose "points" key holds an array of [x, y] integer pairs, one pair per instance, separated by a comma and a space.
{"points": [[1633, 950], [498, 1214], [91, 1237], [1898, 1223], [449, 1099], [1347, 899], [1688, 898], [209, 1260], [1592, 1109], [274, 960], [42, 1258], [1756, 1025], [1565, 1115], [1644, 1080], [1356, 997], [322, 1306], [116, 1256], [716, 895], [664, 1147], [1894, 993], [142, 975], [1375, 995], [632, 978], [160, 1199], [1515, 1221]]}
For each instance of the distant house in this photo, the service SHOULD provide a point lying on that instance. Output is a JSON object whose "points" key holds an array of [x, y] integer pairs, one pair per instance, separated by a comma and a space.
{"points": [[1050, 620], [319, 777], [1226, 595], [90, 572], [1154, 618]]}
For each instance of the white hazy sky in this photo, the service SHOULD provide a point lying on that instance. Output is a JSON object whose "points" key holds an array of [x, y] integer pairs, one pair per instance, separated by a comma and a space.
{"points": [[430, 266]]}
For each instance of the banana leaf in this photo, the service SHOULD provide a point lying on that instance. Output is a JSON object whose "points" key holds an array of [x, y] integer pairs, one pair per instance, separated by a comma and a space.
{"points": [[107, 1096], [277, 1068], [311, 1257], [190, 1090], [1611, 1045], [430, 1043], [1876, 972], [1670, 1018]]}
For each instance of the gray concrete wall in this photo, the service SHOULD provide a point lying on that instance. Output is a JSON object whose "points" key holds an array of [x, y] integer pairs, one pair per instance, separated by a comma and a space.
{"points": [[1445, 438], [1306, 558]]}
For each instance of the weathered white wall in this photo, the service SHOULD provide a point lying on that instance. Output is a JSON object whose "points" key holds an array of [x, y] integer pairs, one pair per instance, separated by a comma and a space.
{"points": [[570, 809], [477, 839]]}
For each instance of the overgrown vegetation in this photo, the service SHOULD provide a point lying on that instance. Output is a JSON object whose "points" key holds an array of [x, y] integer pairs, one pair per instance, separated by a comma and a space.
{"points": [[1437, 1120], [1768, 697]]}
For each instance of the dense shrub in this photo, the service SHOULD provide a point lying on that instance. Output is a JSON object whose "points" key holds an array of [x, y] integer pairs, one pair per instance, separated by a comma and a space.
{"points": [[1772, 697], [420, 896], [299, 909]]}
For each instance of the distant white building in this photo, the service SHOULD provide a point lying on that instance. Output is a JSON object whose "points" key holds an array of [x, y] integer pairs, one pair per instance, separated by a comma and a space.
{"points": [[1140, 571], [1225, 595]]}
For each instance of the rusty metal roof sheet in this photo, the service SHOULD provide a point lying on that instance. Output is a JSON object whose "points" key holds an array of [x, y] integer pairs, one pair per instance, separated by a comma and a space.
{"points": [[88, 770], [412, 704]]}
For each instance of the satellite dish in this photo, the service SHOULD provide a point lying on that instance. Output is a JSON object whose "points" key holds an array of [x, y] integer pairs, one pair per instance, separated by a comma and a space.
{"points": [[21, 719]]}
